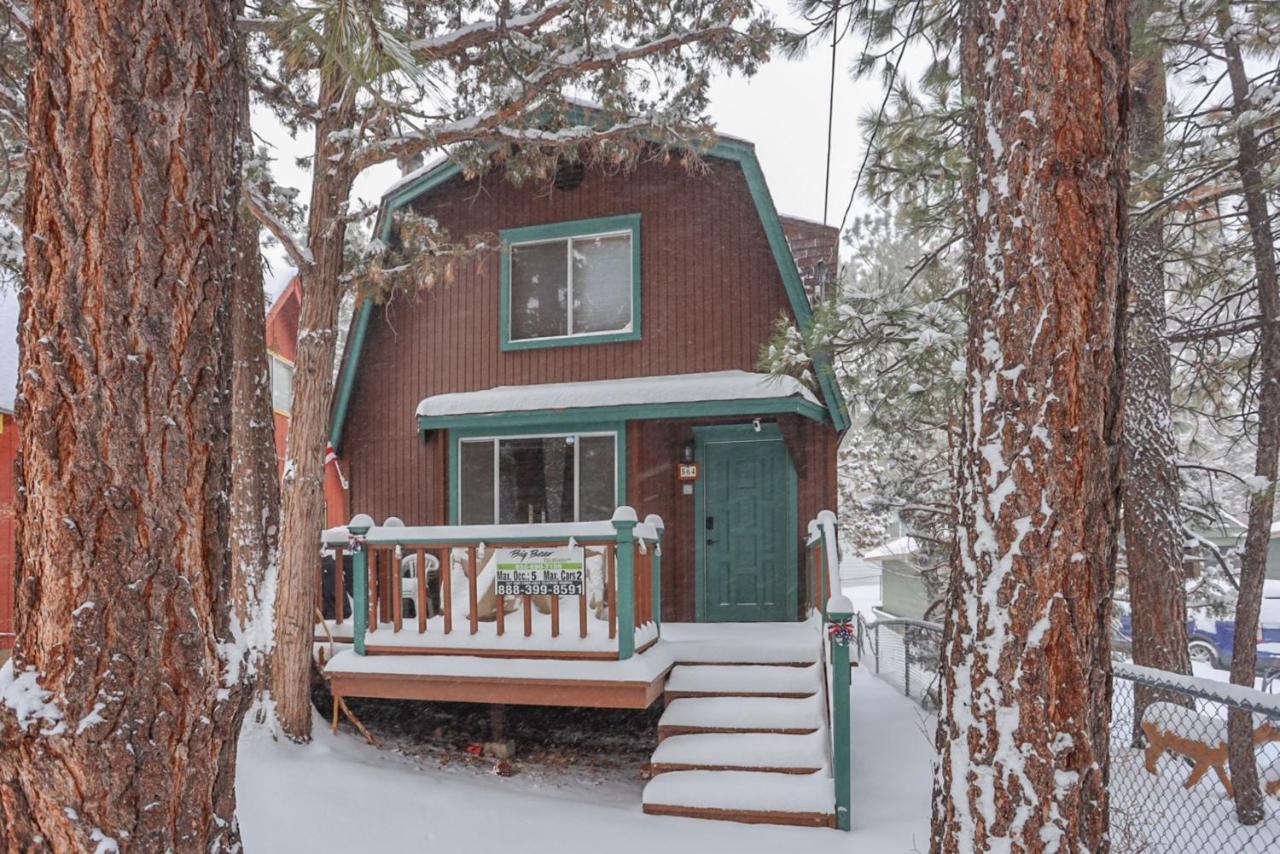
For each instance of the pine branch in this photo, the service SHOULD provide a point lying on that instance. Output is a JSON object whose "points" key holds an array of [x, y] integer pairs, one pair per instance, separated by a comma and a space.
{"points": [[493, 126], [297, 251], [451, 44]]}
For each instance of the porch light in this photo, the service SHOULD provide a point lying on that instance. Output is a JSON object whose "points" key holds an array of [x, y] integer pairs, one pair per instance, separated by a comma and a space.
{"points": [[686, 453]]}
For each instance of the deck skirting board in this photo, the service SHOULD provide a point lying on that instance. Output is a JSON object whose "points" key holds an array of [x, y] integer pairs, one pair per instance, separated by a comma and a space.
{"points": [[598, 694]]}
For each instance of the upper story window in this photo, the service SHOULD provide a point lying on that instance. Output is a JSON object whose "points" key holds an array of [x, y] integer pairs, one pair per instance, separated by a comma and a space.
{"points": [[571, 283], [281, 384]]}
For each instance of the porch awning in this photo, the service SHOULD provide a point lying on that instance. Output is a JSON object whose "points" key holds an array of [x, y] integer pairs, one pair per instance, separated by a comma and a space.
{"points": [[716, 393]]}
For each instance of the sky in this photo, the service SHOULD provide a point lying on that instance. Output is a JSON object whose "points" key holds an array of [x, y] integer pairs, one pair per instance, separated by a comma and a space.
{"points": [[782, 109]]}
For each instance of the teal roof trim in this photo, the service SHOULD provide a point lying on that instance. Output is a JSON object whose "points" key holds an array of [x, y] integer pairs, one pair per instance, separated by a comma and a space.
{"points": [[738, 151]]}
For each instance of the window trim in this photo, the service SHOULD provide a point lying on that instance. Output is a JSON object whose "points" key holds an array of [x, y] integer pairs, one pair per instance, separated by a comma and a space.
{"points": [[599, 428], [581, 228], [273, 356]]}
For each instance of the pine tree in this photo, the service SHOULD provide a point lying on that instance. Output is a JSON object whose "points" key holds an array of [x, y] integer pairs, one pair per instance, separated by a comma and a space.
{"points": [[1152, 490], [1023, 733], [125, 725]]}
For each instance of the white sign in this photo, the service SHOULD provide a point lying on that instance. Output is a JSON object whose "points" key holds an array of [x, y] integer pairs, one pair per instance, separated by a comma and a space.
{"points": [[540, 572]]}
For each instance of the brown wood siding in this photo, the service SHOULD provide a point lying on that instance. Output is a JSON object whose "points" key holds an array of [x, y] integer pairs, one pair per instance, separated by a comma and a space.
{"points": [[710, 295]]}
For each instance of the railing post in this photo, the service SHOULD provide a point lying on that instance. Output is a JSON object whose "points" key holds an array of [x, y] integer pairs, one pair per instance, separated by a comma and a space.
{"points": [[906, 661], [357, 529], [840, 630], [624, 522], [660, 527]]}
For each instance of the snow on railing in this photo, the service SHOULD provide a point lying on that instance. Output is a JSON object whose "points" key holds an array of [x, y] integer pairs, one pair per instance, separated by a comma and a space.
{"points": [[393, 574], [827, 599]]}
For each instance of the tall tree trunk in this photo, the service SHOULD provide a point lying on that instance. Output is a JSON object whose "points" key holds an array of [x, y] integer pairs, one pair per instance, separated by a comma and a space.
{"points": [[123, 413], [1253, 569], [1152, 501], [304, 507], [1023, 735], [255, 489]]}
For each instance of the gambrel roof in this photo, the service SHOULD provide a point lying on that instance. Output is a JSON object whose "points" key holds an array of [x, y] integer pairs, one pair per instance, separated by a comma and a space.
{"points": [[423, 181]]}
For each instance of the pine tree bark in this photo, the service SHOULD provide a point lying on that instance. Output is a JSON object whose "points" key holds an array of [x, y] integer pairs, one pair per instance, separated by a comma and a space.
{"points": [[1253, 569], [303, 487], [1023, 733], [123, 412], [1152, 500], [255, 489]]}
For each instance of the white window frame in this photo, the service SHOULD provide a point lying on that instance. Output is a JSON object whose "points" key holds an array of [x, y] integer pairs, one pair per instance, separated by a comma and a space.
{"points": [[276, 357], [568, 263], [577, 466]]}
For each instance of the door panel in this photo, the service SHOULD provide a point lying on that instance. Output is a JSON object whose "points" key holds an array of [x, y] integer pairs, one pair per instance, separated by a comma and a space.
{"points": [[748, 567]]}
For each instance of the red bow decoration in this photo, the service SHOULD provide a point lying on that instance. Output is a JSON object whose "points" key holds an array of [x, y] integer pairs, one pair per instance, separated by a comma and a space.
{"points": [[841, 632]]}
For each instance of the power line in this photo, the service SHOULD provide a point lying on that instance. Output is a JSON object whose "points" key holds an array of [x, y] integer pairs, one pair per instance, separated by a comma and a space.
{"points": [[831, 104]]}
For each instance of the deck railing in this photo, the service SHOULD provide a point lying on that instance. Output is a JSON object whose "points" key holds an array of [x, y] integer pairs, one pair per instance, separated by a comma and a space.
{"points": [[822, 550], [447, 575]]}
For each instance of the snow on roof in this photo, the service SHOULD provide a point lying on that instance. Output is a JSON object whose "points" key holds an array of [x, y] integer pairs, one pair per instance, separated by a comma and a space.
{"points": [[900, 547], [8, 348], [409, 177], [278, 278], [674, 388]]}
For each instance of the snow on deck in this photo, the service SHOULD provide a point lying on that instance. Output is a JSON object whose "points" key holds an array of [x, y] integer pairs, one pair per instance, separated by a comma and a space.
{"points": [[675, 388], [645, 667], [338, 794]]}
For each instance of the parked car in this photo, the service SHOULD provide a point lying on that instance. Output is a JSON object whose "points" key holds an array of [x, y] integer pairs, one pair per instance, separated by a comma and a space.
{"points": [[1211, 640]]}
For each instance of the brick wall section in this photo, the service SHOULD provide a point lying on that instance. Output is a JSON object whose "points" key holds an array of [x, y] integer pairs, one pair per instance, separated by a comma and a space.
{"points": [[813, 244]]}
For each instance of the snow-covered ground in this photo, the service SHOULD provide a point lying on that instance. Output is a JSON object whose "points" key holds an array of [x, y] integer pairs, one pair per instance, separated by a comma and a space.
{"points": [[339, 794]]}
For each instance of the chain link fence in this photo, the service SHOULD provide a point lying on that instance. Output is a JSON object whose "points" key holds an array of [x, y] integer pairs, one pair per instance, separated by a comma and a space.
{"points": [[904, 653], [1170, 777], [1169, 769]]}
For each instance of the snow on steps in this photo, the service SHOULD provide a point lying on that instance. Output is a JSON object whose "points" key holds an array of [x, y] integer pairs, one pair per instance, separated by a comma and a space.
{"points": [[743, 680], [743, 643], [741, 714], [785, 754], [749, 796]]}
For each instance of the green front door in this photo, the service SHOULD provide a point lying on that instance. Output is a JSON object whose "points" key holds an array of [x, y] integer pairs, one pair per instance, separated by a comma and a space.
{"points": [[746, 525]]}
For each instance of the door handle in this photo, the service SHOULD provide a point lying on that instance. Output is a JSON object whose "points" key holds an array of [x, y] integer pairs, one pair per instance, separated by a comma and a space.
{"points": [[711, 542]]}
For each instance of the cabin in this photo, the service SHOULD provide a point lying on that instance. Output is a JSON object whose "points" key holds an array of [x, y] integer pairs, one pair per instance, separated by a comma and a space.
{"points": [[590, 494]]}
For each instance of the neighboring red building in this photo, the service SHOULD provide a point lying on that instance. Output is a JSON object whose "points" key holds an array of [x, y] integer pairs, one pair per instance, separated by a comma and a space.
{"points": [[8, 456], [282, 346]]}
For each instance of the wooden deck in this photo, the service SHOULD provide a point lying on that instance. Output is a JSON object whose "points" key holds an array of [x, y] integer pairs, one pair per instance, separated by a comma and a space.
{"points": [[634, 683]]}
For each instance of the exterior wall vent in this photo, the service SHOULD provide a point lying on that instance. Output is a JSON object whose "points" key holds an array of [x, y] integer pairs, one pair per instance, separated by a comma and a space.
{"points": [[569, 175]]}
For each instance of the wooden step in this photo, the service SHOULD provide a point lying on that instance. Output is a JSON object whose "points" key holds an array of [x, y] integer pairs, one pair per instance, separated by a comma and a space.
{"points": [[754, 797], [797, 644], [781, 754], [741, 714], [742, 680]]}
